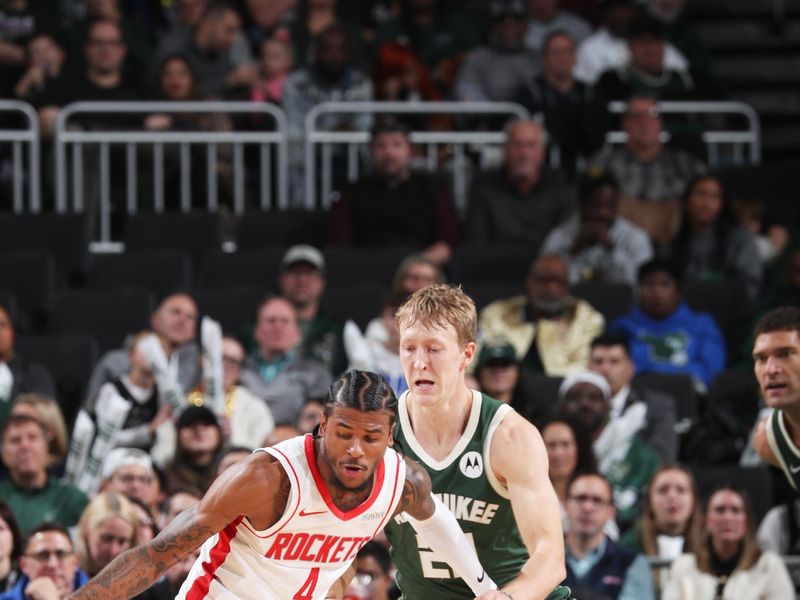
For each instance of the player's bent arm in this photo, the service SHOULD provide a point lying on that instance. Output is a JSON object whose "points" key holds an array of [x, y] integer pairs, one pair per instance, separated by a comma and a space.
{"points": [[761, 444], [535, 506], [240, 490], [438, 529]]}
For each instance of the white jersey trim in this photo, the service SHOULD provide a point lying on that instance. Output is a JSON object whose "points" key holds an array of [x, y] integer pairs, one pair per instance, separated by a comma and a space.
{"points": [[497, 419], [469, 431], [773, 443]]}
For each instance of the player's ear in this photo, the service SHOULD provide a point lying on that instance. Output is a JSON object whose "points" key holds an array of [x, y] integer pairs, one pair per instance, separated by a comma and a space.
{"points": [[323, 421], [391, 434], [469, 353]]}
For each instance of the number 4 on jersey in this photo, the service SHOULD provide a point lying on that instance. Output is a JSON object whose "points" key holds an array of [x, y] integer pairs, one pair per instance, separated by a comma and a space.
{"points": [[306, 591]]}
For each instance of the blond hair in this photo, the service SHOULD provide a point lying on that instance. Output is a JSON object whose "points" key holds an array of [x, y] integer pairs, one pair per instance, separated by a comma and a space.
{"points": [[48, 413], [102, 507], [440, 305]]}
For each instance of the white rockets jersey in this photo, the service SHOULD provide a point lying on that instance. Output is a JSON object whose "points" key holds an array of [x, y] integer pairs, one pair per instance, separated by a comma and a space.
{"points": [[307, 549]]}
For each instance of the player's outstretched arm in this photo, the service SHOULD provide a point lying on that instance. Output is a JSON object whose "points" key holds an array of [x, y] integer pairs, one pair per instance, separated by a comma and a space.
{"points": [[519, 459], [438, 529], [240, 490]]}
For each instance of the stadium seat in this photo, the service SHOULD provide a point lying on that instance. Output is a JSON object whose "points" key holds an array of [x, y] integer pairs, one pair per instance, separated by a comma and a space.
{"points": [[361, 303], [491, 263], [756, 481], [486, 293], [30, 275], [235, 307], [349, 265], [9, 301], [245, 267], [259, 229], [723, 300], [160, 272], [192, 233], [543, 398], [70, 359], [64, 237], [680, 387], [612, 300], [108, 316]]}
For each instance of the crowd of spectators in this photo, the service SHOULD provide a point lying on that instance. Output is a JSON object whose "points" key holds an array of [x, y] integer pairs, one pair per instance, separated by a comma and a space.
{"points": [[179, 402]]}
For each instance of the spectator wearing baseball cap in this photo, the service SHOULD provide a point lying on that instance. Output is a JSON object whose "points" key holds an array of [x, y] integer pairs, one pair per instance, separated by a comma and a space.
{"points": [[302, 282], [499, 375], [198, 441], [394, 205]]}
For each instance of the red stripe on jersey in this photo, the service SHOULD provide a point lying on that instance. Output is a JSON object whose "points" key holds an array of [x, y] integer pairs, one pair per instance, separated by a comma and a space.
{"points": [[389, 514], [323, 491], [216, 557]]}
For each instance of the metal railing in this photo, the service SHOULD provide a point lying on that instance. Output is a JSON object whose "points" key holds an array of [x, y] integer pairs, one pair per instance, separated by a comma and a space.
{"points": [[132, 140], [16, 138], [431, 139], [738, 140]]}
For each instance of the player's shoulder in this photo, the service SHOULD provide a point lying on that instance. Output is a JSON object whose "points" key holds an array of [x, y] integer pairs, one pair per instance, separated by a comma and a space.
{"points": [[514, 434]]}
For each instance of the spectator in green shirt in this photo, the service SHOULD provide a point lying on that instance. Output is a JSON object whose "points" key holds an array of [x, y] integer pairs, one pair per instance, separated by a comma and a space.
{"points": [[31, 492]]}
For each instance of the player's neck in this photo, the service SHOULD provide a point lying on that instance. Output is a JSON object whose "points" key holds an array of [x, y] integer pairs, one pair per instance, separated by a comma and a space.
{"points": [[439, 427], [791, 419]]}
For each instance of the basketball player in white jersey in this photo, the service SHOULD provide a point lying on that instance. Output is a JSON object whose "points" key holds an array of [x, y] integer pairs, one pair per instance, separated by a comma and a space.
{"points": [[286, 522]]}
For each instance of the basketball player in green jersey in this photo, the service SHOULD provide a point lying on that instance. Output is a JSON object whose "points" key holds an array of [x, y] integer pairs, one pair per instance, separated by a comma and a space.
{"points": [[487, 463], [776, 354]]}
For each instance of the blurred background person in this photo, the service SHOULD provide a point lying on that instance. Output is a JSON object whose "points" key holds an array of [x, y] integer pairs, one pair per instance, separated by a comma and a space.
{"points": [[107, 528], [729, 564], [47, 411], [671, 523], [567, 454], [11, 542], [710, 245], [49, 566]]}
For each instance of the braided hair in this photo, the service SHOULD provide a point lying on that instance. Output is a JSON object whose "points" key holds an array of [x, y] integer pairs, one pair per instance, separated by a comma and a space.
{"points": [[362, 390]]}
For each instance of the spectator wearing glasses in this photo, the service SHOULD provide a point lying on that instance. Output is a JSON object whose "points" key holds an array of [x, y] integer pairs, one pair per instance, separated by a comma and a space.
{"points": [[129, 471], [49, 566], [597, 566], [549, 329], [652, 177]]}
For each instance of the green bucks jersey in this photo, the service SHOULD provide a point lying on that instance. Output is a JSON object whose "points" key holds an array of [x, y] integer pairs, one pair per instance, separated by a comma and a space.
{"points": [[465, 483], [784, 448]]}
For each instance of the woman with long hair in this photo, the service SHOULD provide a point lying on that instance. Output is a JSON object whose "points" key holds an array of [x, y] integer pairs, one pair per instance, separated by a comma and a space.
{"points": [[710, 244], [10, 548], [728, 563], [671, 523], [108, 527]]}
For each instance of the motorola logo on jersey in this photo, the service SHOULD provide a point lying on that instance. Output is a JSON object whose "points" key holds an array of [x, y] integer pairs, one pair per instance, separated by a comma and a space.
{"points": [[471, 465]]}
